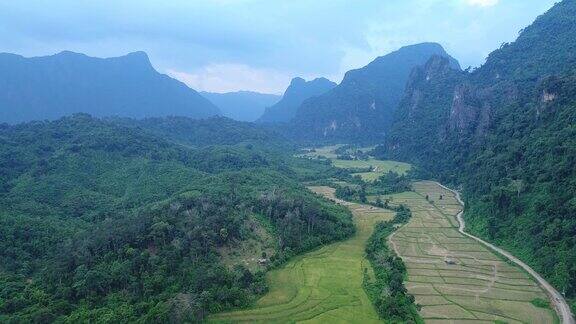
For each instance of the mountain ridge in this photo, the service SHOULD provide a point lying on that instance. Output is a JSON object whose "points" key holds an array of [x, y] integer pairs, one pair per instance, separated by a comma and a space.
{"points": [[242, 105], [49, 87], [297, 92], [360, 108], [505, 133]]}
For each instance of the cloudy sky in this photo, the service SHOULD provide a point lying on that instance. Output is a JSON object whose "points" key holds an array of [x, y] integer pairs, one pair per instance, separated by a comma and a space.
{"points": [[230, 45]]}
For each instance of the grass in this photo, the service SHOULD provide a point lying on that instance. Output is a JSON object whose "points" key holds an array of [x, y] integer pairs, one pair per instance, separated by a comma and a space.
{"points": [[247, 252], [326, 285], [323, 286], [368, 176], [325, 151], [479, 286], [542, 303], [378, 167]]}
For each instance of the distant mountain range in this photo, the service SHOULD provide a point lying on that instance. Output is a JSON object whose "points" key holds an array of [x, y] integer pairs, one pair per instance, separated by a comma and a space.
{"points": [[361, 107], [298, 91], [242, 105], [50, 87]]}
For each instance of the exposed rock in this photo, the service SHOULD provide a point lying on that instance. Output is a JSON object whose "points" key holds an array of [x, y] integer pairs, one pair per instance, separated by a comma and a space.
{"points": [[548, 97], [298, 91], [364, 103]]}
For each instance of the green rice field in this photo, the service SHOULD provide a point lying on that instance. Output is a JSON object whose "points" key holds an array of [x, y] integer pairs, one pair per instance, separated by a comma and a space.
{"points": [[378, 167], [323, 286], [453, 277]]}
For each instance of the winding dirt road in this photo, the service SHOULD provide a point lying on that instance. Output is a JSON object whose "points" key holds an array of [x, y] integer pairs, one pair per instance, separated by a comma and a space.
{"points": [[560, 304]]}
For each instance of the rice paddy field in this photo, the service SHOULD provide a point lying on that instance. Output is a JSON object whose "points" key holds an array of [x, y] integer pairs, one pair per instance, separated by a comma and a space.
{"points": [[454, 278], [324, 151], [323, 286], [378, 167]]}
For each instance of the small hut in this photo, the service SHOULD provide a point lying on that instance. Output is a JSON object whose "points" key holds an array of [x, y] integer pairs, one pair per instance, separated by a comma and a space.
{"points": [[449, 261], [263, 261]]}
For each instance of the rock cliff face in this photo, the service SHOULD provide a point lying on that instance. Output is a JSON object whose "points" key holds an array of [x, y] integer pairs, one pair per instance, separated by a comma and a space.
{"points": [[510, 121], [509, 82], [360, 109], [470, 112], [423, 118], [298, 91]]}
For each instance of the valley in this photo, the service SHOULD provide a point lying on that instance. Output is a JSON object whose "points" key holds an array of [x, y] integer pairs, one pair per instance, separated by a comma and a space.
{"points": [[452, 276], [255, 162], [321, 286]]}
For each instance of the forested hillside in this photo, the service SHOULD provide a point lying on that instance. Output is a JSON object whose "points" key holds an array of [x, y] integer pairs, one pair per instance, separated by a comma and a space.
{"points": [[202, 132], [361, 107], [104, 222], [51, 87], [506, 133]]}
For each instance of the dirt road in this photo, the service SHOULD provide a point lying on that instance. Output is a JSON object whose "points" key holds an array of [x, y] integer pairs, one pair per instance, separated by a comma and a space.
{"points": [[560, 304]]}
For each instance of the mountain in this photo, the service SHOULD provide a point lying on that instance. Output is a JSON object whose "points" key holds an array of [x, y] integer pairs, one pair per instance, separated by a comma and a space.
{"points": [[298, 91], [242, 105], [505, 134], [102, 220], [361, 107], [54, 86]]}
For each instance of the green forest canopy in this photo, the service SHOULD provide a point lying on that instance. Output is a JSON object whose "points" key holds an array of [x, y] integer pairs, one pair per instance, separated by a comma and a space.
{"points": [[108, 222]]}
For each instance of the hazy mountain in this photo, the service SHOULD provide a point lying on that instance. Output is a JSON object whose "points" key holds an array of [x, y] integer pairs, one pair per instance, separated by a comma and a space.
{"points": [[53, 86], [202, 132], [505, 132], [361, 107], [242, 105], [298, 91]]}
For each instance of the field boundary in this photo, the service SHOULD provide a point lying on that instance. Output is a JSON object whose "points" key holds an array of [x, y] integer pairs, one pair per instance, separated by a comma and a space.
{"points": [[560, 305]]}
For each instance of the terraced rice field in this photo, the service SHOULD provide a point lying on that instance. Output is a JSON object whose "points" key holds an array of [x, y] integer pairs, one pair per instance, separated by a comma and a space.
{"points": [[455, 278], [323, 286]]}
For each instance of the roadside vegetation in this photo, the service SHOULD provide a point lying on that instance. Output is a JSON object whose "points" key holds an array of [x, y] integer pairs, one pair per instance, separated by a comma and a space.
{"points": [[387, 291]]}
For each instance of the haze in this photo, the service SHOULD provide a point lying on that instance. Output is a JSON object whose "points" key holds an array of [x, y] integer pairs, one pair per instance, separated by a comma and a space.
{"points": [[258, 45]]}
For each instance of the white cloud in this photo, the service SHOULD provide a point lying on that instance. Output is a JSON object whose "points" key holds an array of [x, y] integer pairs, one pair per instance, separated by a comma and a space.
{"points": [[228, 77], [483, 3]]}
